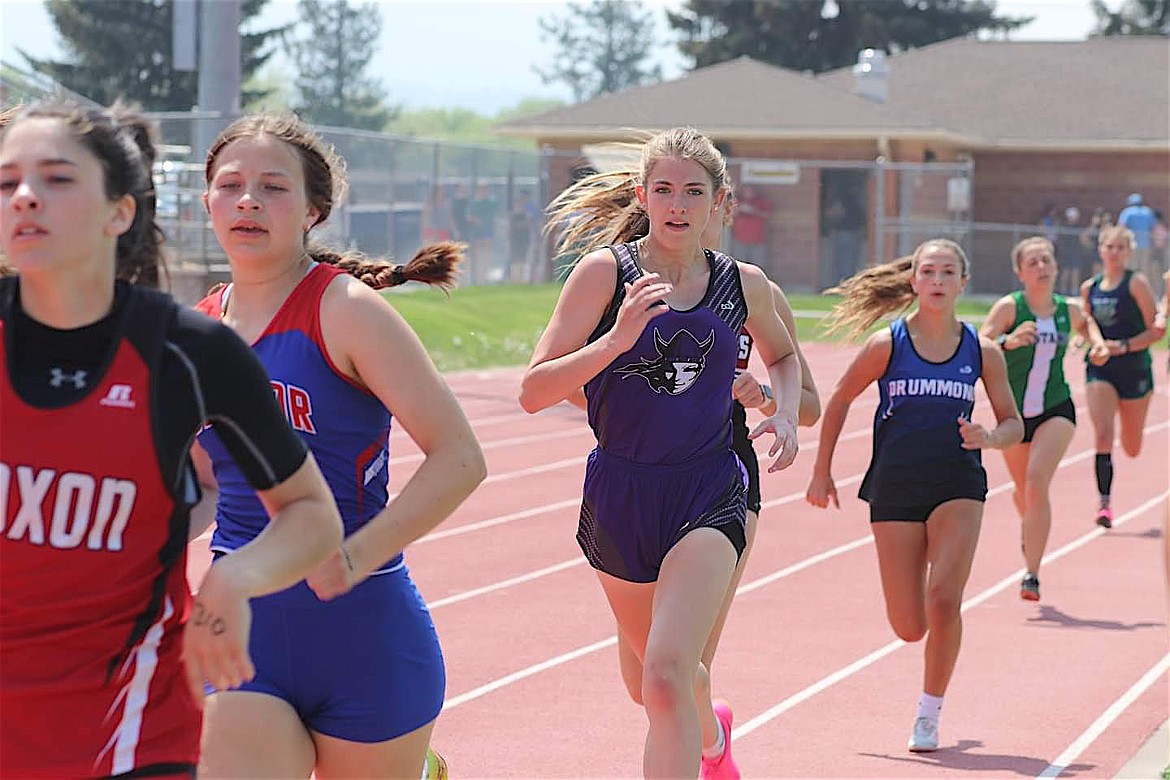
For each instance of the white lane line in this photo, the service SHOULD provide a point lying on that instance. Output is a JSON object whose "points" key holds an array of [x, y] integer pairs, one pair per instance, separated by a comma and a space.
{"points": [[770, 714], [483, 690], [459, 530], [515, 441], [532, 575], [827, 682], [1105, 720]]}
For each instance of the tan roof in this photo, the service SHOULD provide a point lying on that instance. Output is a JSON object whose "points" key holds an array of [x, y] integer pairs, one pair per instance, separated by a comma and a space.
{"points": [[741, 98], [1100, 93]]}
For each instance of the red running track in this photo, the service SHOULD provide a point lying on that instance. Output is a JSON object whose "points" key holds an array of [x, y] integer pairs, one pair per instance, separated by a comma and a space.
{"points": [[820, 686]]}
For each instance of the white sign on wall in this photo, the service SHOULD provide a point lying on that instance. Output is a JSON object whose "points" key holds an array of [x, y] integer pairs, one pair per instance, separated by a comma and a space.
{"points": [[959, 194], [769, 172]]}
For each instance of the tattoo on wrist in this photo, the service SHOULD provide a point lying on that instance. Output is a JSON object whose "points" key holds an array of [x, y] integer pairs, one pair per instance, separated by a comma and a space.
{"points": [[201, 616], [348, 561]]}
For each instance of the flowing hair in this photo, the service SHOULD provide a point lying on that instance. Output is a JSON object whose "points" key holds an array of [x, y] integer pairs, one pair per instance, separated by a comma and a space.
{"points": [[603, 208], [883, 289]]}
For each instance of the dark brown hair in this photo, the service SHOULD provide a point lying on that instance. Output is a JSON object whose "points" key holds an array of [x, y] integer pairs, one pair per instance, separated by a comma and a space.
{"points": [[325, 185], [123, 141]]}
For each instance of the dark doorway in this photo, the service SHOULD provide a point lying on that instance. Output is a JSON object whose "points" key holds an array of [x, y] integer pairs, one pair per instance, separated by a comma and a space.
{"points": [[844, 224]]}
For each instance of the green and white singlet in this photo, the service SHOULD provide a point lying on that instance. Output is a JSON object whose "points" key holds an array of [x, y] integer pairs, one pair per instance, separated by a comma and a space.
{"points": [[1036, 372]]}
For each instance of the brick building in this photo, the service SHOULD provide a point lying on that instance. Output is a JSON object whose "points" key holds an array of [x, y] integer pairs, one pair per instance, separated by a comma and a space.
{"points": [[1026, 124]]}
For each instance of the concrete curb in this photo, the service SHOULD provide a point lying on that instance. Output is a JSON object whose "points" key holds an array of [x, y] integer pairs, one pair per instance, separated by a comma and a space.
{"points": [[1151, 758]]}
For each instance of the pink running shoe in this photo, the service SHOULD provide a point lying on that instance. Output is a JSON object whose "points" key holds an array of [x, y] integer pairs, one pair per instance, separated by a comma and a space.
{"points": [[1105, 517], [722, 768]]}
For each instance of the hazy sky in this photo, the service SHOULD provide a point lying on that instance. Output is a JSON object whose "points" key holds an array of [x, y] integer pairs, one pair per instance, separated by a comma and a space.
{"points": [[480, 54]]}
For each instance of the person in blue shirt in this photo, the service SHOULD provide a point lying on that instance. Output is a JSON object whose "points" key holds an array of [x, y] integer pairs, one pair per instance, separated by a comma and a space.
{"points": [[925, 484], [1140, 218]]}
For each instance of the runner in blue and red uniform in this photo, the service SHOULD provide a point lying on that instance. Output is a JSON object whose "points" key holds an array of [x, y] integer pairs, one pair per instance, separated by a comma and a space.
{"points": [[349, 672], [651, 330], [102, 388]]}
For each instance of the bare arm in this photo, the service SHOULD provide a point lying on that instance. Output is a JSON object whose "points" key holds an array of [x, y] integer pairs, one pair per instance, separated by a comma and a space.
{"points": [[1143, 294], [379, 349], [1098, 351], [778, 353], [562, 362], [203, 513], [867, 367], [1009, 428], [751, 393]]}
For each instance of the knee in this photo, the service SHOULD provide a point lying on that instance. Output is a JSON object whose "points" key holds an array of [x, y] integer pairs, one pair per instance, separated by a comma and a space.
{"points": [[666, 685], [1036, 486], [908, 627], [942, 607], [908, 630], [1132, 445]]}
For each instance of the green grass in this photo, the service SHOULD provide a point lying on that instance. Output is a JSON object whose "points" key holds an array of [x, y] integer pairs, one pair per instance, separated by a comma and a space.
{"points": [[478, 327], [484, 327]]}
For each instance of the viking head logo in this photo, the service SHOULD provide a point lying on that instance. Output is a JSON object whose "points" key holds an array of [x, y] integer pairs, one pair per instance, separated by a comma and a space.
{"points": [[678, 365]]}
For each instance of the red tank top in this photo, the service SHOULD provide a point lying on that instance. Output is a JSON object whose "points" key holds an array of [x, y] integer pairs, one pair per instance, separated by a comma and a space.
{"points": [[93, 592]]}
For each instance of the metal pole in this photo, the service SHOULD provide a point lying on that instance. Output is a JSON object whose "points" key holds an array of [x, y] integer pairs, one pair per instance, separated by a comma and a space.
{"points": [[219, 68]]}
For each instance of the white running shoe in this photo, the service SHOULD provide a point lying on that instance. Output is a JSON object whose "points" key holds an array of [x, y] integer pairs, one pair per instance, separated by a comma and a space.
{"points": [[925, 736]]}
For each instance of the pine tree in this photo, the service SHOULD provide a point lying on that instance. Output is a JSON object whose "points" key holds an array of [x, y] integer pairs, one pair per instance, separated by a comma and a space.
{"points": [[1134, 17], [330, 59], [603, 48], [123, 48], [819, 35]]}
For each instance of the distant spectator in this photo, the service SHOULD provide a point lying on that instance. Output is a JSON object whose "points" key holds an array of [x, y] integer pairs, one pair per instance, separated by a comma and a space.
{"points": [[521, 230], [1049, 220], [1139, 218], [1090, 262], [481, 219], [1068, 252], [439, 224], [843, 225], [1160, 238], [459, 204], [749, 232]]}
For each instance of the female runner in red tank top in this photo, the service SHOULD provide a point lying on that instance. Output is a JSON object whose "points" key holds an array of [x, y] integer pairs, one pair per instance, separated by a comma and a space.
{"points": [[104, 385]]}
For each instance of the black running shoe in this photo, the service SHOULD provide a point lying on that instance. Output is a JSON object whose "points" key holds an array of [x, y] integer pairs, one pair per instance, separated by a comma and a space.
{"points": [[1030, 588]]}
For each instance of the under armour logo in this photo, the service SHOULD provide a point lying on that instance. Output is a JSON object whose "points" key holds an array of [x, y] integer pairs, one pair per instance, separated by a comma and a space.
{"points": [[57, 377], [727, 306], [966, 370]]}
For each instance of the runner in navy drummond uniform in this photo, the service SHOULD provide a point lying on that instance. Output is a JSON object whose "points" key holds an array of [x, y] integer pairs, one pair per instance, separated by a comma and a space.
{"points": [[925, 484], [651, 330], [103, 386]]}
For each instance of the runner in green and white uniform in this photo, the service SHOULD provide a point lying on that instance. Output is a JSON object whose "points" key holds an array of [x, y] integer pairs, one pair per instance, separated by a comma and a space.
{"points": [[1033, 326]]}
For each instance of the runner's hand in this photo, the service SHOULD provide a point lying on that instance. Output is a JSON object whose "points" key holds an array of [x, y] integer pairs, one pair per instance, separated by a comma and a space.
{"points": [[643, 302], [975, 436], [215, 639], [335, 575], [784, 428], [821, 489], [747, 390]]}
